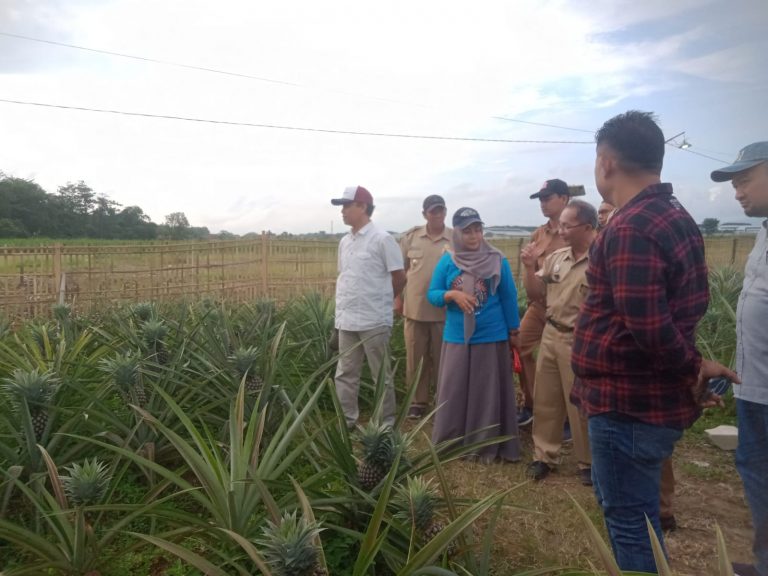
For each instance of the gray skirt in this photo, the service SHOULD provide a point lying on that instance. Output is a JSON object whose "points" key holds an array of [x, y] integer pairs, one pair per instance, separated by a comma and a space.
{"points": [[475, 391]]}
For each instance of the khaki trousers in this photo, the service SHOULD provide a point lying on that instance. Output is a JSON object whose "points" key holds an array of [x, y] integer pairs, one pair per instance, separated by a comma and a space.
{"points": [[423, 342], [551, 403], [374, 345], [667, 491], [531, 329]]}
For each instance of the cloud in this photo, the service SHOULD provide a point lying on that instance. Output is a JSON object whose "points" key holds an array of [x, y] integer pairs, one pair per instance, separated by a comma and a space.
{"points": [[440, 68]]}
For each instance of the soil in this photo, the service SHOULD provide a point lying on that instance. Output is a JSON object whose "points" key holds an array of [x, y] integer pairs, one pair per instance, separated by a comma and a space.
{"points": [[541, 527]]}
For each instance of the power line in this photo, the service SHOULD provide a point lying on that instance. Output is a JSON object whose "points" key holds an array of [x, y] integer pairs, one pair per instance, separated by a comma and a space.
{"points": [[295, 128], [697, 153], [148, 59], [541, 124], [258, 78], [295, 85]]}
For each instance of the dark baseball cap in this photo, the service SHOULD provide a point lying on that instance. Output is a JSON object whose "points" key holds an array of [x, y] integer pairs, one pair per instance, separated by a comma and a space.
{"points": [[354, 194], [554, 186], [464, 217], [432, 201], [749, 157]]}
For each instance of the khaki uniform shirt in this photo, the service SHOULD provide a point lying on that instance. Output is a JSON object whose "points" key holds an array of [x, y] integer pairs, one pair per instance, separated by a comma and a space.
{"points": [[567, 288], [547, 238], [421, 254]]}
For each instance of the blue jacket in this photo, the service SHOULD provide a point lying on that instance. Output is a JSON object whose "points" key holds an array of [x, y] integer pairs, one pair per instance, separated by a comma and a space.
{"points": [[494, 318]]}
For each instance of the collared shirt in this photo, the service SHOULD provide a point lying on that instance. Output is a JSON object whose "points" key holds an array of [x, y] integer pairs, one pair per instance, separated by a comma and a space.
{"points": [[547, 238], [364, 294], [751, 333], [421, 254], [566, 282], [634, 344]]}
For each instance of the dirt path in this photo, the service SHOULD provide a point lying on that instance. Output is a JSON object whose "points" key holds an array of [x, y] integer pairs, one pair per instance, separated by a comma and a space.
{"points": [[540, 526]]}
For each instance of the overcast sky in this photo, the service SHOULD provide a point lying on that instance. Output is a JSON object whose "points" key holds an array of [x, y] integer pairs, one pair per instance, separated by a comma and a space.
{"points": [[425, 67]]}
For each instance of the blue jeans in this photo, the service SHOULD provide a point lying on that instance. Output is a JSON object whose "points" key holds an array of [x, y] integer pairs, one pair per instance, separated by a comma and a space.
{"points": [[752, 464], [626, 471]]}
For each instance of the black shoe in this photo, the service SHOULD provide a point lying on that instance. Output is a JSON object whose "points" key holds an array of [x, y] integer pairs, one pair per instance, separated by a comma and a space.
{"points": [[668, 523], [538, 470], [416, 413], [586, 476], [740, 569]]}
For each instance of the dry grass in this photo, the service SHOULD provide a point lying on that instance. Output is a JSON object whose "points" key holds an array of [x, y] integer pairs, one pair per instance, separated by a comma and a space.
{"points": [[539, 526]]}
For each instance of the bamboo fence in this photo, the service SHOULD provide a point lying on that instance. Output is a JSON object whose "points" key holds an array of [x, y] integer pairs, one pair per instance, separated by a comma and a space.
{"points": [[33, 279]]}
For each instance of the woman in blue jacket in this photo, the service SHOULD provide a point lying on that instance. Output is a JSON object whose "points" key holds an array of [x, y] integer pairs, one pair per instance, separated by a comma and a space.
{"points": [[475, 391]]}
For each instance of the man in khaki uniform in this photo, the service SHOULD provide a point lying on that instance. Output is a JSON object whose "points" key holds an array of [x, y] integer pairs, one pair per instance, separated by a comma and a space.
{"points": [[553, 197], [562, 283], [422, 247]]}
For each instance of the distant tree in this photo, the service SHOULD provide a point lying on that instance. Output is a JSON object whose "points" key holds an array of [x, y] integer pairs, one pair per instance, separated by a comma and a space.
{"points": [[79, 197], [226, 235], [134, 224], [12, 229], [103, 221], [198, 233], [178, 225], [710, 226]]}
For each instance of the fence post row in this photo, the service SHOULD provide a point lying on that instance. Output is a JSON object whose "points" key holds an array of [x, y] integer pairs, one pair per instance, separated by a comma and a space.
{"points": [[32, 279]]}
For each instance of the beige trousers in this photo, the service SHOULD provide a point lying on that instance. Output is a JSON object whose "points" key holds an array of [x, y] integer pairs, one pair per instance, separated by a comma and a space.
{"points": [[423, 342], [531, 329], [374, 345], [667, 491], [551, 402]]}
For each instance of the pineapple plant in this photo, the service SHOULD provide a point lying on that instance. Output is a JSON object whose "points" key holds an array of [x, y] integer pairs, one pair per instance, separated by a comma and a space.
{"points": [[44, 334], [126, 377], [244, 366], [62, 312], [415, 505], [86, 484], [144, 311], [154, 333], [31, 392], [378, 452], [290, 547]]}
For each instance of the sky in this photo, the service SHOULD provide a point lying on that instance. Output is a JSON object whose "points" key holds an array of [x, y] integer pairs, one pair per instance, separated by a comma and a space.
{"points": [[528, 71]]}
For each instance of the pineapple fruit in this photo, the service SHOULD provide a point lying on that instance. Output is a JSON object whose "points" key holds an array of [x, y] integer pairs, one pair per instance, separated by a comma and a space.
{"points": [[86, 484], [32, 392], [378, 453], [290, 547], [244, 366], [415, 505], [154, 333], [126, 377]]}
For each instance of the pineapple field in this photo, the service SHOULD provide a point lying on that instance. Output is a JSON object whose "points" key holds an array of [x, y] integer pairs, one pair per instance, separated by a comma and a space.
{"points": [[206, 438]]}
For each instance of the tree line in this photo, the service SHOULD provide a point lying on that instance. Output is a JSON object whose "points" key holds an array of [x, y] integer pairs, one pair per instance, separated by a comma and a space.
{"points": [[76, 211]]}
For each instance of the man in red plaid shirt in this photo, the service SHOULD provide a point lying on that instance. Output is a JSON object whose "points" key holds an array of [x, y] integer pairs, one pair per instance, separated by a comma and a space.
{"points": [[634, 351]]}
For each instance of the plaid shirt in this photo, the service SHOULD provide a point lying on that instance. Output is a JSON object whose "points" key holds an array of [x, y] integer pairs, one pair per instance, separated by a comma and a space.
{"points": [[634, 345]]}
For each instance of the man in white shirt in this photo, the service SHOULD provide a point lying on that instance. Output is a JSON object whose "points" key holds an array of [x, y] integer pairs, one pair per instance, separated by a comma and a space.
{"points": [[749, 177], [370, 274]]}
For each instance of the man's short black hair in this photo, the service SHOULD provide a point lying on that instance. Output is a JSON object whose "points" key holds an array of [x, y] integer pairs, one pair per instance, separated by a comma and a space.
{"points": [[636, 138], [585, 212], [369, 209]]}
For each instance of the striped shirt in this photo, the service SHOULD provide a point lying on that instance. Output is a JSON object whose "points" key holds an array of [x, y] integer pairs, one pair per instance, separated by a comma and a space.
{"points": [[634, 347]]}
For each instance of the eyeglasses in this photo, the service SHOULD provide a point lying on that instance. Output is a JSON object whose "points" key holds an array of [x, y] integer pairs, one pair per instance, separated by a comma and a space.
{"points": [[562, 226]]}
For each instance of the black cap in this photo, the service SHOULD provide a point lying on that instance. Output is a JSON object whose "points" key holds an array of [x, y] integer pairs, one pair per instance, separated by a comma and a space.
{"points": [[464, 217], [554, 186], [432, 201]]}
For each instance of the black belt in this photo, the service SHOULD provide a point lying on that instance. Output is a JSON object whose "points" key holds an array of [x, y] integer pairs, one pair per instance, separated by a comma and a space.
{"points": [[559, 326]]}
